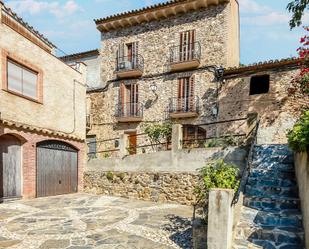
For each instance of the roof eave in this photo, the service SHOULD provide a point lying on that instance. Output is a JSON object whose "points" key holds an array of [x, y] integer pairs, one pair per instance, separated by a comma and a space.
{"points": [[152, 13]]}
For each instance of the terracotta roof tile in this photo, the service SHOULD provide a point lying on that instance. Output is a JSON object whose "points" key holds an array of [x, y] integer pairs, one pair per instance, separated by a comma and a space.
{"points": [[263, 66], [80, 55], [27, 26]]}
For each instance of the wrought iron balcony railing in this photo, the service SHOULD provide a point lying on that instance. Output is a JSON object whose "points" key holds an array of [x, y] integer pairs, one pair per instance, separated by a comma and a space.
{"points": [[129, 111], [189, 52], [128, 63], [184, 105]]}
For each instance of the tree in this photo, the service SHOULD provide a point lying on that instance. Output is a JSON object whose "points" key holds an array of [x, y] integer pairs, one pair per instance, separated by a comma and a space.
{"points": [[297, 7]]}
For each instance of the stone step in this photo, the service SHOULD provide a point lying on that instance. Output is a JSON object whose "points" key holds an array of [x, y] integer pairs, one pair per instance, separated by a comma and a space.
{"points": [[280, 219], [271, 182], [251, 233], [271, 245], [268, 204], [273, 149], [279, 174], [284, 159], [271, 192], [273, 166]]}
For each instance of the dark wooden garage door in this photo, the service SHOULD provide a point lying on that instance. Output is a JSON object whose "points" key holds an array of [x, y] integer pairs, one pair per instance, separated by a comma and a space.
{"points": [[56, 168], [10, 167]]}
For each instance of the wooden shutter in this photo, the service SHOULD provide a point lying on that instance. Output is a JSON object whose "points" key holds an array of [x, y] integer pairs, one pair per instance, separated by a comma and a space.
{"points": [[120, 53], [191, 93], [186, 49], [135, 53], [121, 100]]}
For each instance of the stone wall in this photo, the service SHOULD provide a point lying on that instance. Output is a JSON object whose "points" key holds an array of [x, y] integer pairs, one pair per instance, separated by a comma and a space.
{"points": [[302, 175], [149, 186], [272, 107]]}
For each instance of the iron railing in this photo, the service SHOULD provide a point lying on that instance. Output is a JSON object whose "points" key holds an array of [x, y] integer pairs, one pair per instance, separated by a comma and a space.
{"points": [[182, 53], [130, 109], [127, 63], [184, 105], [245, 173]]}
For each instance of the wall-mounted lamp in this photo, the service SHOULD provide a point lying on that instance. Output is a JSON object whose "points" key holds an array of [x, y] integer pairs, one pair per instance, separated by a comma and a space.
{"points": [[153, 87], [219, 72]]}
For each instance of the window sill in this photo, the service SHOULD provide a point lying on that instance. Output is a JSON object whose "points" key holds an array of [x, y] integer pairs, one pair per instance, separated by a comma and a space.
{"points": [[23, 96]]}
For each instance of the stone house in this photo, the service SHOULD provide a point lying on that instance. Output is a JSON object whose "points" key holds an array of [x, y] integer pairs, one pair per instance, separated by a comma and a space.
{"points": [[165, 62], [158, 63], [42, 122]]}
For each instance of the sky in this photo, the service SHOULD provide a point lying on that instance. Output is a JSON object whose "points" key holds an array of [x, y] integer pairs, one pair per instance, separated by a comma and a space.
{"points": [[265, 32]]}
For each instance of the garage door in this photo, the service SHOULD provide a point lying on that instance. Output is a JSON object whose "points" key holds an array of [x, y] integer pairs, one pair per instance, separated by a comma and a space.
{"points": [[56, 168]]}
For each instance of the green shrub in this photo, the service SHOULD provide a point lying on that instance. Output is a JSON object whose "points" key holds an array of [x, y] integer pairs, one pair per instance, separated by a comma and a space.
{"points": [[298, 137], [217, 174]]}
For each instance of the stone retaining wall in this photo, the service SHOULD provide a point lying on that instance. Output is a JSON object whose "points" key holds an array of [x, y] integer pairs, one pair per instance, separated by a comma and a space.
{"points": [[149, 186]]}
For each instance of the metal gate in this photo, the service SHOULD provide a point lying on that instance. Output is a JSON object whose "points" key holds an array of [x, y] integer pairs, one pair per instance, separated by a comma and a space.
{"points": [[56, 168]]}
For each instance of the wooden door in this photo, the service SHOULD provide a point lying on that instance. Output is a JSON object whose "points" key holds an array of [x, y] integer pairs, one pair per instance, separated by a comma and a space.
{"points": [[56, 168], [10, 167], [132, 143]]}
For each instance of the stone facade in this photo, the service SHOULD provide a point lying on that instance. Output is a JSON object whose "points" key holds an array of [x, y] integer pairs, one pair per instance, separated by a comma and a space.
{"points": [[272, 107], [149, 186], [216, 29]]}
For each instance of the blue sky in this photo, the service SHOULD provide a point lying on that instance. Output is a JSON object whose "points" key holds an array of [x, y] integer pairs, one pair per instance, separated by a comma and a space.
{"points": [[265, 32]]}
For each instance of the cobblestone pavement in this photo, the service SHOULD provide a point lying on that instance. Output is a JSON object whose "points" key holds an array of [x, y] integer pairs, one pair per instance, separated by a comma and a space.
{"points": [[82, 221]]}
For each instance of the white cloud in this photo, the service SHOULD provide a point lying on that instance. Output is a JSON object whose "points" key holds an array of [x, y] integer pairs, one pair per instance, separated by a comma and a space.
{"points": [[272, 18], [34, 7], [250, 6]]}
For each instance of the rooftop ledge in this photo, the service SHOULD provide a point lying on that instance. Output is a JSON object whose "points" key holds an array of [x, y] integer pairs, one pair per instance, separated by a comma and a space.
{"points": [[154, 12]]}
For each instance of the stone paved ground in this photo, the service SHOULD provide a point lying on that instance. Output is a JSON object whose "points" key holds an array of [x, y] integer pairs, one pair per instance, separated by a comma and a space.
{"points": [[82, 221]]}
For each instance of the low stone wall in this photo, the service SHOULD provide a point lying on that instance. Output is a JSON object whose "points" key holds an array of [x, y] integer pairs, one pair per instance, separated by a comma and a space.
{"points": [[150, 186], [302, 175], [185, 160]]}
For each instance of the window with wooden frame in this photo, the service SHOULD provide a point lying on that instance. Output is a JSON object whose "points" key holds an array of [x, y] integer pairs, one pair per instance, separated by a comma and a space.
{"points": [[185, 98], [128, 99], [128, 53], [187, 45], [21, 78]]}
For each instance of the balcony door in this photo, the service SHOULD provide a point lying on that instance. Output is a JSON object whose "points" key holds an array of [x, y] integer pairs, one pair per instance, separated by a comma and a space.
{"points": [[185, 101], [128, 99], [127, 55], [187, 44]]}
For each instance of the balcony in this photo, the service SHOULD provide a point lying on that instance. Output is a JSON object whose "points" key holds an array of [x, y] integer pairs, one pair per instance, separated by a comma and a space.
{"points": [[184, 107], [130, 66], [129, 112], [185, 57]]}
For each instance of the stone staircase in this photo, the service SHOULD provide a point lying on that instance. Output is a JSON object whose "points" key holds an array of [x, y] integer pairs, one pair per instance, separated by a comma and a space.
{"points": [[271, 216]]}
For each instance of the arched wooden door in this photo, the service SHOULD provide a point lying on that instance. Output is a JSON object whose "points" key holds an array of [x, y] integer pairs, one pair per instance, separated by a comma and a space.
{"points": [[56, 168], [10, 167]]}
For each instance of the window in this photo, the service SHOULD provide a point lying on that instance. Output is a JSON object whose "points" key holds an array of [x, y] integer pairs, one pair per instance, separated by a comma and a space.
{"points": [[128, 99], [185, 94], [21, 80], [259, 84]]}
